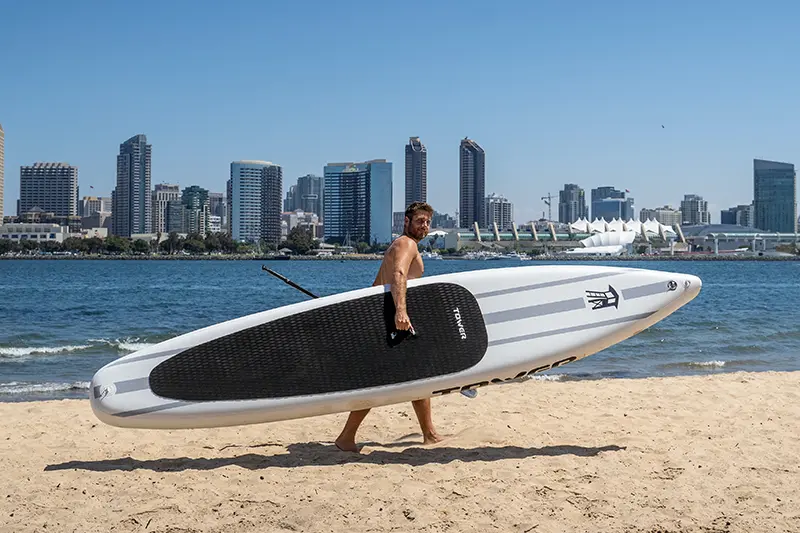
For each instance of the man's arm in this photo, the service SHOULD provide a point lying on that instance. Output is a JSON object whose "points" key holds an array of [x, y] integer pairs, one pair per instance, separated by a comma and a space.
{"points": [[404, 254]]}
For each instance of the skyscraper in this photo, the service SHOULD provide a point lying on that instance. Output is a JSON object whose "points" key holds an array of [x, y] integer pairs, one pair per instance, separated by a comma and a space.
{"points": [[609, 203], [472, 184], [306, 195], [254, 201], [741, 215], [288, 202], [2, 168], [163, 194], [572, 204], [694, 210], [216, 206], [500, 211], [774, 196], [416, 171], [663, 215], [133, 201], [196, 203], [91, 205], [271, 192], [52, 187], [358, 202]]}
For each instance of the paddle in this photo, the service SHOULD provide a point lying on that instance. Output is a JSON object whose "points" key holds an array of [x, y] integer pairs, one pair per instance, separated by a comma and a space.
{"points": [[289, 282]]}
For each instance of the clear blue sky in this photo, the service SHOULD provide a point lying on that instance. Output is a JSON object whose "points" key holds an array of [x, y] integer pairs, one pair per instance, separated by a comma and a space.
{"points": [[555, 92]]}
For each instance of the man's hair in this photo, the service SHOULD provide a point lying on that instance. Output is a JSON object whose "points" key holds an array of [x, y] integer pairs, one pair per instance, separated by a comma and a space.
{"points": [[412, 209]]}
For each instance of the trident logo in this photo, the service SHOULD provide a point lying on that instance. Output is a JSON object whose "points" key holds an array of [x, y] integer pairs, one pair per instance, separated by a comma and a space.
{"points": [[601, 299]]}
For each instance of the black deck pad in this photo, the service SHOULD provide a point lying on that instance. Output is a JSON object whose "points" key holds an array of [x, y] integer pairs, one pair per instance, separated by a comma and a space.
{"points": [[343, 346]]}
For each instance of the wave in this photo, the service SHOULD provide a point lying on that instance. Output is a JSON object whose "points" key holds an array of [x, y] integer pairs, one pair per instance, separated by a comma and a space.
{"points": [[121, 346], [41, 350], [128, 344], [548, 377], [695, 364], [15, 387]]}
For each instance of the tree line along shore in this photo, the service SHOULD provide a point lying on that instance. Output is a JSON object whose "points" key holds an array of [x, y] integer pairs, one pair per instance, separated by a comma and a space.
{"points": [[298, 245]]}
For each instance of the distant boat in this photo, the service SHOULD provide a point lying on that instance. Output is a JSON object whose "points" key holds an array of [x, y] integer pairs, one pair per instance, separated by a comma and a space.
{"points": [[509, 256], [431, 255]]}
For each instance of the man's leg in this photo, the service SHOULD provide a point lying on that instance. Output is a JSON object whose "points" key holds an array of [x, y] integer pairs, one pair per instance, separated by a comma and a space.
{"points": [[347, 439], [423, 410]]}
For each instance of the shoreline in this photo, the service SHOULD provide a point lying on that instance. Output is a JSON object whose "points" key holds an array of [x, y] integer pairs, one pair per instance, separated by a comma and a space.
{"points": [[550, 378], [373, 257], [676, 454]]}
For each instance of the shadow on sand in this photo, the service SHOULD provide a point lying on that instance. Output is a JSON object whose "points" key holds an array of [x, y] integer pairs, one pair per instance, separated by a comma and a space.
{"points": [[318, 454]]}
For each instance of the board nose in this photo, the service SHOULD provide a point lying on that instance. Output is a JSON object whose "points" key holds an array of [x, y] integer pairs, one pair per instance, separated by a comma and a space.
{"points": [[100, 392], [690, 287]]}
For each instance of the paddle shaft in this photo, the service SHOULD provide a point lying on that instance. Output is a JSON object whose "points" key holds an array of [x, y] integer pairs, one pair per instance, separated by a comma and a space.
{"points": [[289, 282]]}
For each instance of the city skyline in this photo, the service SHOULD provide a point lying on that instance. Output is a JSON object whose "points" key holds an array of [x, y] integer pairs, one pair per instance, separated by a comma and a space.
{"points": [[310, 194], [613, 101], [288, 187]]}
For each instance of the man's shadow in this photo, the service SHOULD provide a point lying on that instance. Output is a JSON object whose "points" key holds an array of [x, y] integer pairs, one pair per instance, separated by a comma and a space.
{"points": [[317, 454]]}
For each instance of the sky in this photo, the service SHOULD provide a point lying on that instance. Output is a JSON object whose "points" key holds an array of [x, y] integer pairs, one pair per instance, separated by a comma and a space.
{"points": [[555, 92]]}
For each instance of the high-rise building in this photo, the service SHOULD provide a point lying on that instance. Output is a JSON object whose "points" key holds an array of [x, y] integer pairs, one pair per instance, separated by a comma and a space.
{"points": [[310, 194], [132, 197], [399, 222], [52, 187], [694, 210], [500, 211], [665, 215], [572, 204], [254, 201], [288, 202], [175, 219], [472, 184], [2, 168], [358, 202], [306, 195], [774, 196], [442, 220], [216, 204], [162, 195], [196, 201], [609, 203], [271, 192], [416, 171], [741, 215], [91, 205]]}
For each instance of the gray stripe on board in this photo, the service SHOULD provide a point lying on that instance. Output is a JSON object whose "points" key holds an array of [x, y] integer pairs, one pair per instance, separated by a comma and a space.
{"points": [[546, 284], [146, 357], [534, 310], [644, 290], [570, 329], [132, 385], [145, 410]]}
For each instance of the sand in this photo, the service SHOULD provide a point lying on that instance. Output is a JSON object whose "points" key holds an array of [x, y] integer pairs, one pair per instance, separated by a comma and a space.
{"points": [[708, 453]]}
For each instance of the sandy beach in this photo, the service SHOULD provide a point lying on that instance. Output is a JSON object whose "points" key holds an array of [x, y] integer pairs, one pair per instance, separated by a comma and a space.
{"points": [[710, 453]]}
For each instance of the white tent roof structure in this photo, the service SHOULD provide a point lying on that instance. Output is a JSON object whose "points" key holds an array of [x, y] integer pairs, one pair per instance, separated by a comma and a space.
{"points": [[650, 228], [610, 238], [606, 243]]}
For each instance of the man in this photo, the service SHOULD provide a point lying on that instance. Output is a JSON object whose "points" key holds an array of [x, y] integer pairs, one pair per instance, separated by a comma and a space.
{"points": [[401, 262]]}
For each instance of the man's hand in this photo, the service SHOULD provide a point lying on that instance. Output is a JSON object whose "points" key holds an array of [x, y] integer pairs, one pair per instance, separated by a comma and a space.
{"points": [[401, 321]]}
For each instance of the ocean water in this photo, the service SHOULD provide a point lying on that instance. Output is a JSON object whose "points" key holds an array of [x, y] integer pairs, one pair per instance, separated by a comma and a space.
{"points": [[60, 321]]}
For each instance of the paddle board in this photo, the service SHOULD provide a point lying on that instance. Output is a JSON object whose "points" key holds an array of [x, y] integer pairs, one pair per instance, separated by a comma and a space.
{"points": [[341, 352]]}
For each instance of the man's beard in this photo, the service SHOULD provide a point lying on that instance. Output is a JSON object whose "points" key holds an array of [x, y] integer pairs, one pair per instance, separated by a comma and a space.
{"points": [[417, 235]]}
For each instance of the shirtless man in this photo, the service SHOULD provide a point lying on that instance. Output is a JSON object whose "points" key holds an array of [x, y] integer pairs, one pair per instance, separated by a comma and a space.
{"points": [[401, 262]]}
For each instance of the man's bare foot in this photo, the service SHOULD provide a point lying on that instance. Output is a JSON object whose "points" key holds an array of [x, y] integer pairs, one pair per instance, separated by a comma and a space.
{"points": [[346, 446], [433, 438]]}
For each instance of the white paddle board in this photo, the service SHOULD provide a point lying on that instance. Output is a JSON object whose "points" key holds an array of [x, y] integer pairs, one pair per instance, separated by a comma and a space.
{"points": [[340, 353]]}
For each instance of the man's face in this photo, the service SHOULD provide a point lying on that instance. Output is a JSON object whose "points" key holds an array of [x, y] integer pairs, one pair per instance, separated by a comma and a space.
{"points": [[418, 227]]}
